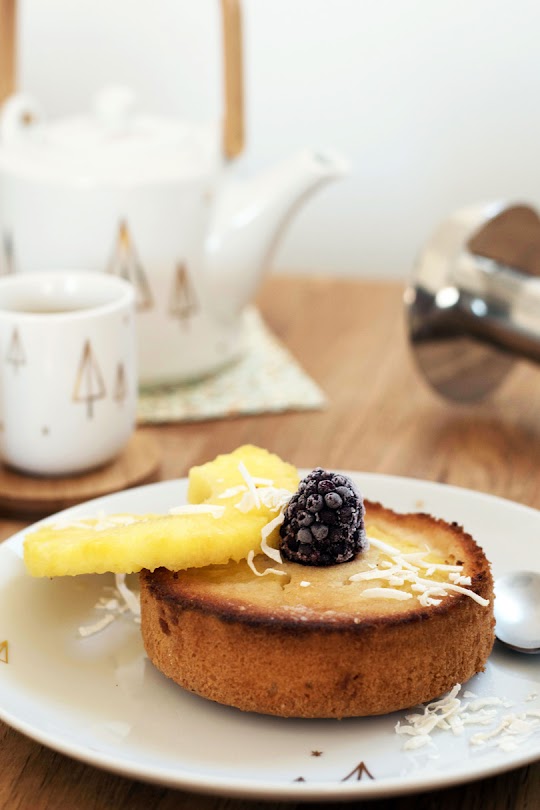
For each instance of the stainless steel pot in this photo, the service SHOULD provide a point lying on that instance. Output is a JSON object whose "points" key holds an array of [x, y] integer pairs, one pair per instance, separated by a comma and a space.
{"points": [[473, 302]]}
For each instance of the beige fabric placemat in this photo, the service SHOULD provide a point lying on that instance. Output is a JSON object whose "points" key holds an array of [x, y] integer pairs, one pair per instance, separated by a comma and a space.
{"points": [[267, 379]]}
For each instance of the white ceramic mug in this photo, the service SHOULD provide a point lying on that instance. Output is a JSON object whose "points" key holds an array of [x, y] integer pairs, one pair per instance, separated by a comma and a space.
{"points": [[68, 376]]}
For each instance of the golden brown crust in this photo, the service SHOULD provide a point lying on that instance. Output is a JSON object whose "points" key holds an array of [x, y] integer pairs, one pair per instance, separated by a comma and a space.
{"points": [[251, 643]]}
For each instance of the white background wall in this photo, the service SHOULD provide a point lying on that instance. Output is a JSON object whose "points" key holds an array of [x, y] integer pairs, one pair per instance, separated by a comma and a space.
{"points": [[435, 102]]}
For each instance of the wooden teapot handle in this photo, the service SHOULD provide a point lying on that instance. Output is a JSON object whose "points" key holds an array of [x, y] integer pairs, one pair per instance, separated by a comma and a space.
{"points": [[8, 59], [233, 117]]}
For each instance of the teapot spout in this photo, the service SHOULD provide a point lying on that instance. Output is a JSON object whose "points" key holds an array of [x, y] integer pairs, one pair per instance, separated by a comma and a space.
{"points": [[249, 219]]}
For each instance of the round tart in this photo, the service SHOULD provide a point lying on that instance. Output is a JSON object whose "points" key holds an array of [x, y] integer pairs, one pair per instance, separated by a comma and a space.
{"points": [[364, 637]]}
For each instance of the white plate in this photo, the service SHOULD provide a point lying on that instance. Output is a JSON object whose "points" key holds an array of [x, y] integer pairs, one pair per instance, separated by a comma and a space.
{"points": [[99, 699]]}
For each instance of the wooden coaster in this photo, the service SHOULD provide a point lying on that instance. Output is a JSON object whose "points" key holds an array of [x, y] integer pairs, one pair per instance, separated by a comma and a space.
{"points": [[25, 496]]}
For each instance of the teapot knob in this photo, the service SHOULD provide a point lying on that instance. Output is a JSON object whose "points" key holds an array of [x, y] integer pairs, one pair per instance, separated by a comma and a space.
{"points": [[114, 107], [19, 114]]}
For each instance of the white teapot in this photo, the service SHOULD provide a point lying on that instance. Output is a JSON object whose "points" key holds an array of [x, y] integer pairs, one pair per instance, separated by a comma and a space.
{"points": [[145, 198]]}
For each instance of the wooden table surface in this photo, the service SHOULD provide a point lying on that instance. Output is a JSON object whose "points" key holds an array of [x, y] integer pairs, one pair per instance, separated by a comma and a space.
{"points": [[349, 335]]}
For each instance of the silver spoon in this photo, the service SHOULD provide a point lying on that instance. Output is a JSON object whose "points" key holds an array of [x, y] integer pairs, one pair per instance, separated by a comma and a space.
{"points": [[517, 611]]}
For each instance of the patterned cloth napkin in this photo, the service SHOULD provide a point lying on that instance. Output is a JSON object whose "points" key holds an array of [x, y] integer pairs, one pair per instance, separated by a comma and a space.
{"points": [[267, 379]]}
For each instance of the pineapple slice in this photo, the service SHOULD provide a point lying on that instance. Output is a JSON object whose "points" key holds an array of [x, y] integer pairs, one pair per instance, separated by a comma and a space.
{"points": [[125, 544], [208, 482], [171, 541]]}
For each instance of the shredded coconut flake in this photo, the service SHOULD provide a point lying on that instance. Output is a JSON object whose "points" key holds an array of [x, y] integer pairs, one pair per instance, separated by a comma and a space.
{"points": [[232, 491], [386, 593], [450, 713], [108, 604], [241, 488], [123, 600], [98, 522], [92, 629], [426, 600], [417, 742], [198, 509], [250, 483], [266, 571], [404, 569], [390, 550], [274, 498], [481, 703], [131, 599], [374, 574], [459, 579], [266, 531]]}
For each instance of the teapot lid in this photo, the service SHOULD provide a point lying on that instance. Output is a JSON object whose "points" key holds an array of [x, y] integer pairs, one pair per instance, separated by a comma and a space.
{"points": [[111, 145]]}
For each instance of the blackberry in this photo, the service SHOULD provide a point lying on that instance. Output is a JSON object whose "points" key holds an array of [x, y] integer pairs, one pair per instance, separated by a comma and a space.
{"points": [[324, 521]]}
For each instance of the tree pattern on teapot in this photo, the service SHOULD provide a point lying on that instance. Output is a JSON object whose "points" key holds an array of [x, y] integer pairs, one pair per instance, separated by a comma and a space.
{"points": [[125, 263], [120, 387], [7, 265], [183, 302]]}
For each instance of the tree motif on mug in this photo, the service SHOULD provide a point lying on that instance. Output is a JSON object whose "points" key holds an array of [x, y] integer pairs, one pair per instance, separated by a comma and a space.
{"points": [[15, 355], [4, 652], [89, 385]]}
